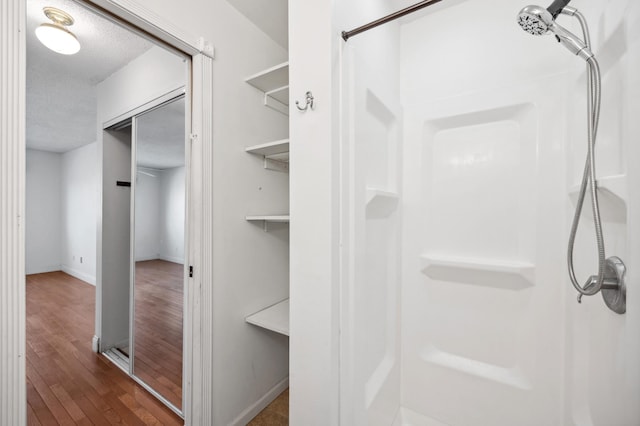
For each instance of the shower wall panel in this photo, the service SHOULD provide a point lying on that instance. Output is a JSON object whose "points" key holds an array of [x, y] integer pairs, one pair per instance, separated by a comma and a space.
{"points": [[371, 157], [481, 187], [602, 348], [481, 303], [483, 218]]}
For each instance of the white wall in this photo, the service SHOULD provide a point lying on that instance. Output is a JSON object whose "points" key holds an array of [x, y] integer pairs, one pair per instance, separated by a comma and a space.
{"points": [[61, 212], [315, 201], [172, 209], [147, 77], [148, 215], [79, 197], [43, 212], [160, 212], [250, 267], [144, 79]]}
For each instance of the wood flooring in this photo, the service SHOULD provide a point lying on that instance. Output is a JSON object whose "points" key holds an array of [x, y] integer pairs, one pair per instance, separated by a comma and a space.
{"points": [[67, 383], [158, 327], [275, 414]]}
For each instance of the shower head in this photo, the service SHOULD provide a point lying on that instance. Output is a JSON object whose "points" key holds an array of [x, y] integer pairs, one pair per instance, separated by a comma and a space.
{"points": [[537, 20]]}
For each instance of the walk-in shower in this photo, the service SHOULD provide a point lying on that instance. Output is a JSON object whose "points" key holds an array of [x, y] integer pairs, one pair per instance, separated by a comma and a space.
{"points": [[461, 162], [537, 21]]}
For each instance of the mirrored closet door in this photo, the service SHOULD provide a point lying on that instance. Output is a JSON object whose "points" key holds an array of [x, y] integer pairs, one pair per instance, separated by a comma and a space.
{"points": [[158, 249]]}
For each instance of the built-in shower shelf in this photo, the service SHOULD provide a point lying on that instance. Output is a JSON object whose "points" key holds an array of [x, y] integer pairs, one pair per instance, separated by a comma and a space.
{"points": [[380, 203], [612, 198], [274, 318], [497, 273], [615, 186], [274, 83], [275, 154]]}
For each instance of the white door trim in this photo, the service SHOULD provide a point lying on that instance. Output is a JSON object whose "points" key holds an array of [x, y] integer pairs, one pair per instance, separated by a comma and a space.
{"points": [[12, 194], [198, 302]]}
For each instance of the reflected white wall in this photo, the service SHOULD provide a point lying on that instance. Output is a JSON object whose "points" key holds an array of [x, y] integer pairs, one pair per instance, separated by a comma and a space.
{"points": [[172, 208], [148, 214], [160, 207]]}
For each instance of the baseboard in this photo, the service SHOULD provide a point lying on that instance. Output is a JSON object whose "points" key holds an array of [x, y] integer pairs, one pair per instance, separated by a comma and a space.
{"points": [[248, 414], [89, 279], [172, 259], [43, 269], [160, 257], [146, 258], [95, 344]]}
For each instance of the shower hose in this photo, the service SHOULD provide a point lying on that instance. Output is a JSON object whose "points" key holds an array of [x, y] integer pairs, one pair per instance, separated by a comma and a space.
{"points": [[595, 282]]}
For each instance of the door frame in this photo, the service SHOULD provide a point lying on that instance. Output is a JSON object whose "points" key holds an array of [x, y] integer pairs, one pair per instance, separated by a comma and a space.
{"points": [[198, 301]]}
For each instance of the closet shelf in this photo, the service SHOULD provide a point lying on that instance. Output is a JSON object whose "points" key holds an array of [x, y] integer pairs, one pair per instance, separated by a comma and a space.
{"points": [[270, 148], [274, 83], [275, 154], [266, 219], [271, 79], [274, 318], [282, 218]]}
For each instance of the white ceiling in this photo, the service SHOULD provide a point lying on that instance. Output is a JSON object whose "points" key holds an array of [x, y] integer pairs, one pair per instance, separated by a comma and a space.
{"points": [[61, 89], [271, 16]]}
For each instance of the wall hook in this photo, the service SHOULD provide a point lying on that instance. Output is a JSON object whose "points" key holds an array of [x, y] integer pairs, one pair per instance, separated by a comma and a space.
{"points": [[308, 102]]}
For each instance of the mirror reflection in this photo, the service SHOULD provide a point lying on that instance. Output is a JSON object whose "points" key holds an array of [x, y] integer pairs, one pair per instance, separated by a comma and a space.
{"points": [[159, 249]]}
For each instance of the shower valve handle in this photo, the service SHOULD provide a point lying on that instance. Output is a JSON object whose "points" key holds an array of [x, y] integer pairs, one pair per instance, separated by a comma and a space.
{"points": [[607, 284]]}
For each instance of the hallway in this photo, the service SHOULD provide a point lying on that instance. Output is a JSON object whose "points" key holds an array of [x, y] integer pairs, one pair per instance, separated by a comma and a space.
{"points": [[67, 383]]}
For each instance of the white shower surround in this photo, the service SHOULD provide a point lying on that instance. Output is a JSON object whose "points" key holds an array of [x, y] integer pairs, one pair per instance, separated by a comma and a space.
{"points": [[461, 154]]}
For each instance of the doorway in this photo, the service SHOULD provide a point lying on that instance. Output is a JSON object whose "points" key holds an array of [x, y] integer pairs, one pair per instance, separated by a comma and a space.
{"points": [[68, 99], [12, 161]]}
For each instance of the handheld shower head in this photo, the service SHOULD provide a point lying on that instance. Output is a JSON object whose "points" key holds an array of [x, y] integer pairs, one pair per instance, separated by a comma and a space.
{"points": [[537, 20]]}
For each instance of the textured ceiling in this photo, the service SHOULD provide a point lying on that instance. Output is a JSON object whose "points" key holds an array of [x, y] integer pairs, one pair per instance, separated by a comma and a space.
{"points": [[161, 137], [61, 89]]}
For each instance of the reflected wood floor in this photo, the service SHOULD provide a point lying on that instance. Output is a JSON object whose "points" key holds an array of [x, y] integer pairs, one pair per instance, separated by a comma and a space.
{"points": [[158, 327], [67, 383]]}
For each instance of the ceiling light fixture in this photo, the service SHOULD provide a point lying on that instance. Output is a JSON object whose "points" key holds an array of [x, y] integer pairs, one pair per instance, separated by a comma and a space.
{"points": [[56, 36]]}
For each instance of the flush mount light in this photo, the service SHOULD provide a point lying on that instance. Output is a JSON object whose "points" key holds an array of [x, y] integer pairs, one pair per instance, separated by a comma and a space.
{"points": [[56, 36]]}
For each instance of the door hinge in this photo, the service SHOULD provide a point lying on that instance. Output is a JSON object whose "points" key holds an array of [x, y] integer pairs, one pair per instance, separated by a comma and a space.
{"points": [[190, 271]]}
